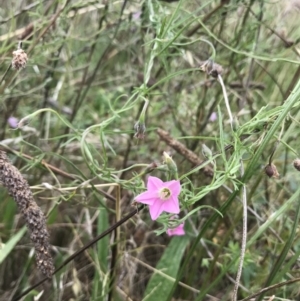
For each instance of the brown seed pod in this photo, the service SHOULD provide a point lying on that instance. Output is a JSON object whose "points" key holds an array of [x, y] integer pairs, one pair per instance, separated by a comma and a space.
{"points": [[296, 164], [271, 171]]}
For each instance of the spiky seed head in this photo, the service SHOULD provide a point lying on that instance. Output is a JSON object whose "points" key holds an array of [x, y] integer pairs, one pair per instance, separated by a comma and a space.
{"points": [[19, 59]]}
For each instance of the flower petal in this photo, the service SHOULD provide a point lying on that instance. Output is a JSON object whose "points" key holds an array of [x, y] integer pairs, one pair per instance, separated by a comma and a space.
{"points": [[174, 186], [176, 231], [171, 205], [154, 183], [156, 209], [147, 197]]}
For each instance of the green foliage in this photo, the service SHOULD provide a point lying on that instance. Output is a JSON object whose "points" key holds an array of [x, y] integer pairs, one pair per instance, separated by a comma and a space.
{"points": [[98, 71], [167, 268], [9, 245]]}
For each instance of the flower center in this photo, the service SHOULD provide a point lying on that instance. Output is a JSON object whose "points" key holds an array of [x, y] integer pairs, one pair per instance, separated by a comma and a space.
{"points": [[164, 194]]}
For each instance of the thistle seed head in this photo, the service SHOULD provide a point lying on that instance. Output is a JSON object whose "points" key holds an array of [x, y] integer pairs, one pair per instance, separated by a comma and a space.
{"points": [[19, 59]]}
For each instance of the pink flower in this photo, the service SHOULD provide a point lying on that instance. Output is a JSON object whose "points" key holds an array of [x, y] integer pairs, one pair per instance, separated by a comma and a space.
{"points": [[160, 196], [176, 231]]}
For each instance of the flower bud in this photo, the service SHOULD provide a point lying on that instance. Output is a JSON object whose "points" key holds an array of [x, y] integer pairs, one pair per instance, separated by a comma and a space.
{"points": [[140, 130], [296, 164], [271, 171], [13, 122], [170, 163], [206, 151], [19, 59]]}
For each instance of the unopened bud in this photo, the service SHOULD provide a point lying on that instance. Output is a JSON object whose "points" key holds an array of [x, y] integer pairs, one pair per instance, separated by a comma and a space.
{"points": [[170, 162], [207, 153], [140, 130], [19, 59], [271, 171], [296, 164]]}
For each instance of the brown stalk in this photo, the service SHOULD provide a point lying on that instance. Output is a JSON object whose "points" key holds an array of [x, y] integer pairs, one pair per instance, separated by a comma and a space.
{"points": [[35, 220]]}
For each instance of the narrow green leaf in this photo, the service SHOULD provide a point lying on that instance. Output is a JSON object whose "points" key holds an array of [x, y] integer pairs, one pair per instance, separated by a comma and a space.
{"points": [[100, 282], [279, 263], [160, 285], [9, 246]]}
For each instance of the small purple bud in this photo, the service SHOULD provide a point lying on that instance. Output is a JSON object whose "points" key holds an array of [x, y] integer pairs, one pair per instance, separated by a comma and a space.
{"points": [[13, 122], [137, 15], [213, 117]]}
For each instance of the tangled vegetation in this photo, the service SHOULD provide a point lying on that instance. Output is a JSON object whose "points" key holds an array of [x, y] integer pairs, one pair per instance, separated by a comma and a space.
{"points": [[108, 104]]}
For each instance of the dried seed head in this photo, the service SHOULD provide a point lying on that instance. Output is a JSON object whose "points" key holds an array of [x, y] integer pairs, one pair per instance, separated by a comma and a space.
{"points": [[35, 220], [296, 164], [271, 171], [19, 59], [211, 68]]}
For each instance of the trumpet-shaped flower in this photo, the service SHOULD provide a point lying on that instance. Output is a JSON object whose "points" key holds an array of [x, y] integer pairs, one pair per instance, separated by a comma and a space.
{"points": [[176, 231], [160, 196]]}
